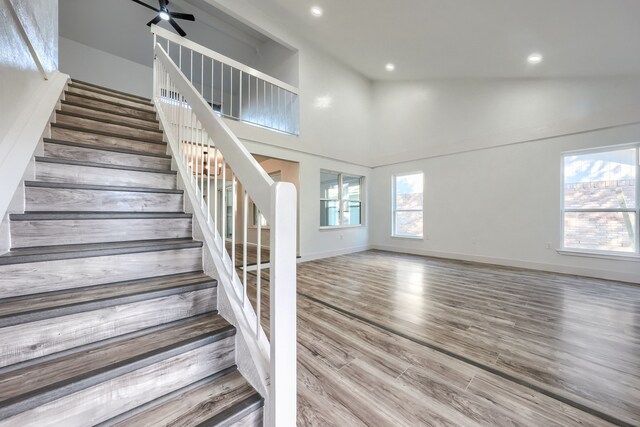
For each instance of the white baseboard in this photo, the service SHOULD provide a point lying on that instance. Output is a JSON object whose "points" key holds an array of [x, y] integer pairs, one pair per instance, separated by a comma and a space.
{"points": [[554, 268], [329, 254]]}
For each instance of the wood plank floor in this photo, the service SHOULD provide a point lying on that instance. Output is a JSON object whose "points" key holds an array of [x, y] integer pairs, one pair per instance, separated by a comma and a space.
{"points": [[390, 339]]}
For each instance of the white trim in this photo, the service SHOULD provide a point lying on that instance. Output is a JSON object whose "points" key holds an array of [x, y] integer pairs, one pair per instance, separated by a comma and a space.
{"points": [[595, 253], [608, 274], [394, 210], [340, 227], [622, 118], [168, 35], [341, 201], [407, 237], [329, 254], [615, 256]]}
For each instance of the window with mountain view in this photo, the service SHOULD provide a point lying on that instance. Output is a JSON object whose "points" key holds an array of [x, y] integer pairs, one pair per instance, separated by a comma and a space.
{"points": [[407, 205], [600, 206]]}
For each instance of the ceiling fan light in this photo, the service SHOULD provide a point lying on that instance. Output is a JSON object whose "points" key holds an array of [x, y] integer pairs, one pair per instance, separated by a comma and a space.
{"points": [[164, 15]]}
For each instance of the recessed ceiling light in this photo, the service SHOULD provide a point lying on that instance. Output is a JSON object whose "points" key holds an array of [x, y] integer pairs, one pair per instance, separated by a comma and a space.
{"points": [[534, 58], [390, 67], [316, 11]]}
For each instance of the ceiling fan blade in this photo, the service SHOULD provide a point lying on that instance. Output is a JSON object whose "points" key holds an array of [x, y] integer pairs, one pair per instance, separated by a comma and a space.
{"points": [[154, 21], [185, 16], [163, 3], [175, 25], [146, 5]]}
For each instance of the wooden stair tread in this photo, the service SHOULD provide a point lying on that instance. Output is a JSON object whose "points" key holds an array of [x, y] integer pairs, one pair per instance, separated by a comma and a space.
{"points": [[108, 114], [119, 332], [101, 165], [30, 304], [28, 387], [103, 105], [105, 148], [107, 121], [75, 186], [139, 106], [76, 82], [105, 133], [218, 400], [50, 253]]}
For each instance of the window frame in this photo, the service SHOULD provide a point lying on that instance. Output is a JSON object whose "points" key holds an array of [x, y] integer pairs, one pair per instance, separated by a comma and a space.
{"points": [[568, 250], [342, 201], [395, 210]]}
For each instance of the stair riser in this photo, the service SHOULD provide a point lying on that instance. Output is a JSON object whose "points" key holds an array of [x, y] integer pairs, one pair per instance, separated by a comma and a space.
{"points": [[106, 141], [36, 339], [61, 151], [254, 419], [140, 105], [108, 116], [131, 112], [62, 232], [58, 200], [108, 127], [124, 393], [106, 91], [47, 276], [64, 173]]}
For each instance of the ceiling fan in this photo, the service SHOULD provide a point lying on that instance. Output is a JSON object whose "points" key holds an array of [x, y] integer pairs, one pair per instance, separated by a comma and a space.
{"points": [[164, 14]]}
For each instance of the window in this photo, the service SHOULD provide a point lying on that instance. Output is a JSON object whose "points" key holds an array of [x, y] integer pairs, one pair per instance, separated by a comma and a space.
{"points": [[599, 206], [340, 199], [407, 205]]}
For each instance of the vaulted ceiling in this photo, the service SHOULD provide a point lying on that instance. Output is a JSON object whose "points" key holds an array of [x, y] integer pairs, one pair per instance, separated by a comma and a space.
{"points": [[473, 38]]}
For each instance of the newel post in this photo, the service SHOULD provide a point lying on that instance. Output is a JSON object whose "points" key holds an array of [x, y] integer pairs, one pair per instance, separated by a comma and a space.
{"points": [[283, 305]]}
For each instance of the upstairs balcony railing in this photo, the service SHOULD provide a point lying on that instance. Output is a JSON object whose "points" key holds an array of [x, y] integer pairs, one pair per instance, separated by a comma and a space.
{"points": [[233, 90]]}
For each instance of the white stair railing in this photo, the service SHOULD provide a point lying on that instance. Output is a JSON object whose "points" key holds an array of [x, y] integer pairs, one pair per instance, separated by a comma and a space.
{"points": [[234, 90], [221, 177]]}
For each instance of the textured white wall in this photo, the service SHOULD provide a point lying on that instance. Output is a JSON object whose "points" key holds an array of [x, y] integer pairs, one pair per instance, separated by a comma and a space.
{"points": [[19, 76]]}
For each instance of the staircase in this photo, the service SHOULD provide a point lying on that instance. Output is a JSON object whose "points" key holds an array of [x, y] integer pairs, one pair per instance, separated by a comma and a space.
{"points": [[106, 317]]}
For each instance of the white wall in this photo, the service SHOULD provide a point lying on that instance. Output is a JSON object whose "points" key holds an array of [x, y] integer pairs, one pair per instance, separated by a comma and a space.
{"points": [[335, 101], [498, 205], [314, 242], [428, 118], [333, 130], [472, 137], [96, 66], [279, 62]]}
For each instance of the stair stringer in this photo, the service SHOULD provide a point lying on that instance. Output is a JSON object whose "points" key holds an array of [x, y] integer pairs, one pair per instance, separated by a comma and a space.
{"points": [[24, 138]]}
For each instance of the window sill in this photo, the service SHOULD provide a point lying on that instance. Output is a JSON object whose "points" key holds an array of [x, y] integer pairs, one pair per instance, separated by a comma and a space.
{"points": [[408, 237], [340, 227], [601, 255]]}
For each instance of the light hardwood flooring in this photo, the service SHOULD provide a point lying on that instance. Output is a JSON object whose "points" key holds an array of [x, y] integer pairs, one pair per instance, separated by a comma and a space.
{"points": [[401, 340]]}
